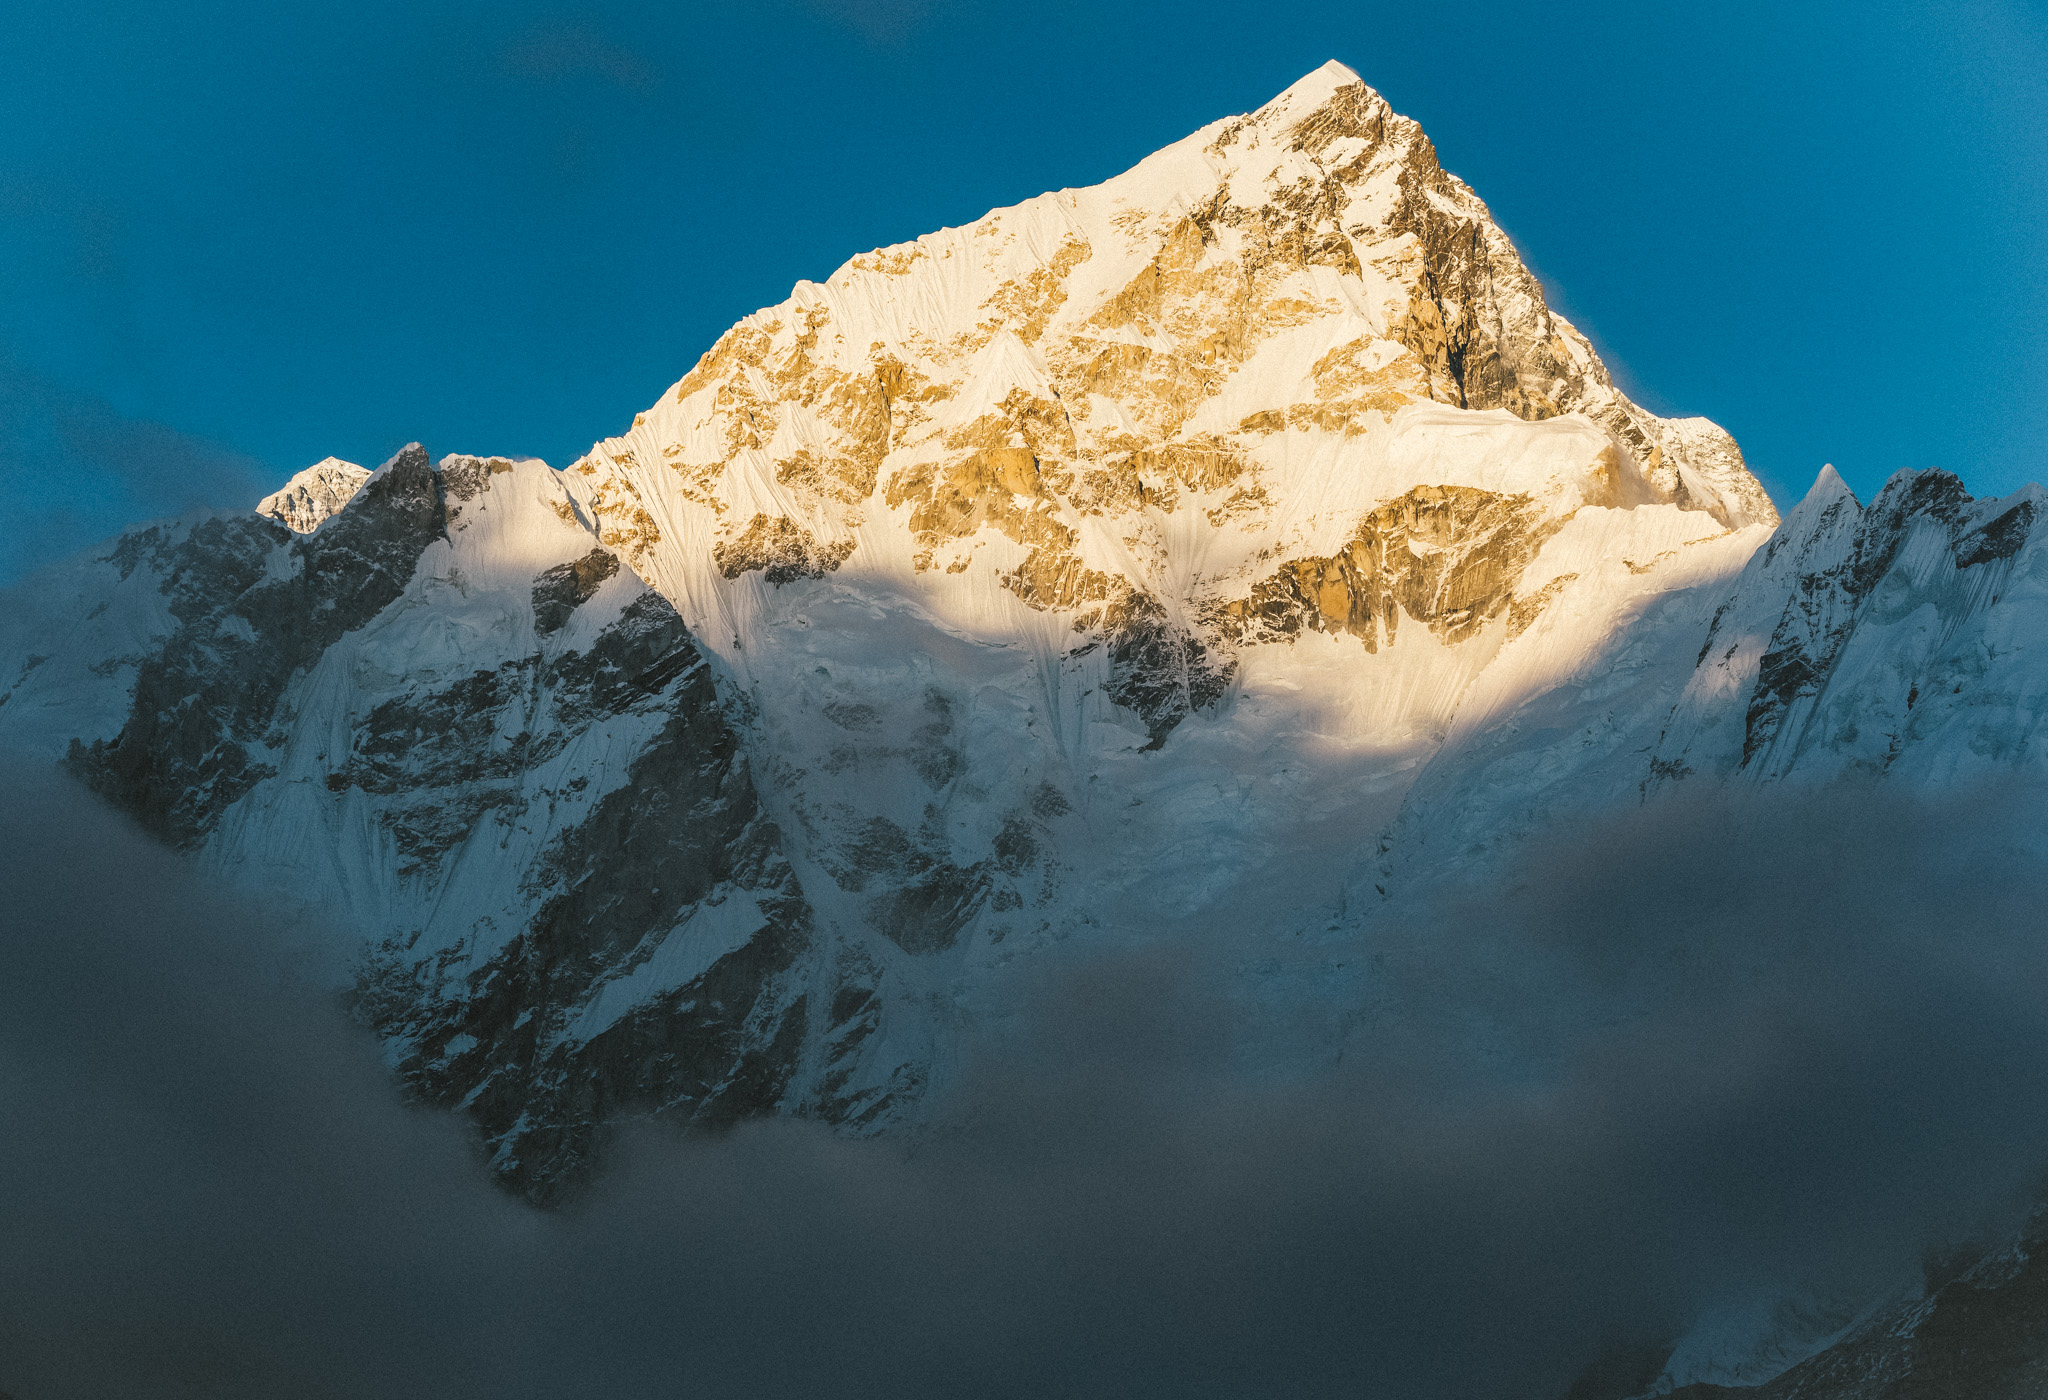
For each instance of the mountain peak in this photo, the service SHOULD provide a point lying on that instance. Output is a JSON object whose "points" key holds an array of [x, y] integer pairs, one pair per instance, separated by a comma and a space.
{"points": [[316, 493], [1315, 88], [1828, 487], [1016, 581]]}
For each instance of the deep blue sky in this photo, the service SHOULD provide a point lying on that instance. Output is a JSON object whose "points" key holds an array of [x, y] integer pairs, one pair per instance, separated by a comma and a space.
{"points": [[235, 238]]}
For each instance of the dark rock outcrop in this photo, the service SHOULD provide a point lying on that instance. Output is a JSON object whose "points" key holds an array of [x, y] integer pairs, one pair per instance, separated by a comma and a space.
{"points": [[257, 607]]}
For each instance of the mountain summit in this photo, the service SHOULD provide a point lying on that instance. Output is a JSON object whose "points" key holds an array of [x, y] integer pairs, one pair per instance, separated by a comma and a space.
{"points": [[1238, 546]]}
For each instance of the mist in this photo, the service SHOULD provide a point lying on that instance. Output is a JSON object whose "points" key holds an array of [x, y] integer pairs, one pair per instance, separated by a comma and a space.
{"points": [[1719, 1047], [78, 469]]}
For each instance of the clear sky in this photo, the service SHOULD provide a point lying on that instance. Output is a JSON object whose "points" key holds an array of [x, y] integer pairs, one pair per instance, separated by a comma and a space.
{"points": [[236, 238]]}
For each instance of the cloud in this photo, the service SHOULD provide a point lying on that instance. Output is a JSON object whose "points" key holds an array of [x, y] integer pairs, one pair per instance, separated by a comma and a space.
{"points": [[1711, 1048], [77, 469]]}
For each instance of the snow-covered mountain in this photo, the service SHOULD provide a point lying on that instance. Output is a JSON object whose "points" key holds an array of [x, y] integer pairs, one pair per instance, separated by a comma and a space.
{"points": [[314, 494], [1240, 543]]}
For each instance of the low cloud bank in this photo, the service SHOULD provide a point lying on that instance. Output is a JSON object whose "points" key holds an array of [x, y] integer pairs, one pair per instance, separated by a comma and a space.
{"points": [[1705, 1051], [78, 470]]}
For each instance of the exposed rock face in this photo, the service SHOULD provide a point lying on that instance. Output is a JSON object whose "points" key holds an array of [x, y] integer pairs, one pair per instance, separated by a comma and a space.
{"points": [[674, 880], [1447, 557], [559, 591], [781, 549], [1856, 635], [514, 774], [199, 736], [1477, 321], [314, 494]]}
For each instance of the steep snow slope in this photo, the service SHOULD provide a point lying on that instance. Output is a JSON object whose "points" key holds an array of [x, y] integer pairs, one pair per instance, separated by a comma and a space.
{"points": [[448, 719], [1900, 640], [1906, 641], [1122, 556]]}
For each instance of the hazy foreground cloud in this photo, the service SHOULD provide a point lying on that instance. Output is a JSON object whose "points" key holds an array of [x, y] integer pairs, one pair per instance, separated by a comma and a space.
{"points": [[1697, 1053], [77, 470]]}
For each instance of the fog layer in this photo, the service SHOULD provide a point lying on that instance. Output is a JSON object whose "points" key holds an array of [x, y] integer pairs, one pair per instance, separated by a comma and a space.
{"points": [[1711, 1049]]}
